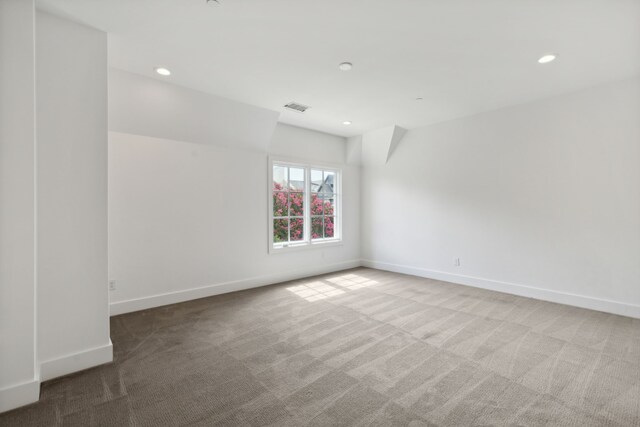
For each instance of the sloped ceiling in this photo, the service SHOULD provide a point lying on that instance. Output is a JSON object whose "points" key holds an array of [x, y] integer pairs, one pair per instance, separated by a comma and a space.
{"points": [[143, 106]]}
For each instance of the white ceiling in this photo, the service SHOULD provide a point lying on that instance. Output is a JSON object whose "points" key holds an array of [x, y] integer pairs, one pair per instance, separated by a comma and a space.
{"points": [[462, 56]]}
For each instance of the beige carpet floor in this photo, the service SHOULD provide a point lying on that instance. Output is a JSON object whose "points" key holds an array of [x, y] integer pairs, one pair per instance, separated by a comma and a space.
{"points": [[356, 348]]}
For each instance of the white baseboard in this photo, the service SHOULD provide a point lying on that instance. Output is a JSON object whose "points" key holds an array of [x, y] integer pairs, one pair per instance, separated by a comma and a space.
{"points": [[592, 303], [599, 304], [29, 392], [76, 362], [138, 304], [19, 395]]}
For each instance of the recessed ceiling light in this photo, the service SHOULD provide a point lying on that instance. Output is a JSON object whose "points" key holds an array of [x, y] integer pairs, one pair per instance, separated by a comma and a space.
{"points": [[345, 66], [163, 71], [547, 58], [346, 123]]}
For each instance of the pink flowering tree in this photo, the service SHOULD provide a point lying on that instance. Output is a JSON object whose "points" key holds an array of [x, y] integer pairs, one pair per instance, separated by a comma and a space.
{"points": [[291, 203]]}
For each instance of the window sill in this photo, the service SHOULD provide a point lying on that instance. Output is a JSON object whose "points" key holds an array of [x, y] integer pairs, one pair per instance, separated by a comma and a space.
{"points": [[305, 246]]}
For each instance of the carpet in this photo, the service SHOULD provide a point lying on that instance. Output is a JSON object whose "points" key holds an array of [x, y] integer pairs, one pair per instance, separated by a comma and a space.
{"points": [[356, 348]]}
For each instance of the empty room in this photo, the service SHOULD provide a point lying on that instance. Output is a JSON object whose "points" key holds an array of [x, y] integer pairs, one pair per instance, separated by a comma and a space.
{"points": [[319, 213]]}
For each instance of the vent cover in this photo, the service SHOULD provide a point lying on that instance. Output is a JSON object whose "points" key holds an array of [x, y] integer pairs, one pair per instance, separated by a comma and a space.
{"points": [[294, 106]]}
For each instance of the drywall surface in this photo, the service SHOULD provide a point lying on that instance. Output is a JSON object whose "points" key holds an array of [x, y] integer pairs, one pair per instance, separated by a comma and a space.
{"points": [[543, 195], [300, 143], [143, 106], [71, 85], [190, 218], [18, 374]]}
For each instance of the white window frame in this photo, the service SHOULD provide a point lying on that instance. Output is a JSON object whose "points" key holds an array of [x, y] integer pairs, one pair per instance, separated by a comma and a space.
{"points": [[307, 242]]}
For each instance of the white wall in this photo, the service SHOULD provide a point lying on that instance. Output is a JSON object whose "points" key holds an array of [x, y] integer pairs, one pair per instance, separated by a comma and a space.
{"points": [[543, 195], [539, 199], [71, 83], [295, 142], [18, 374], [190, 218]]}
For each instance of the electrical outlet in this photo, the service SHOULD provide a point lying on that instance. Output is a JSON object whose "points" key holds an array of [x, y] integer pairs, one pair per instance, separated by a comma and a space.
{"points": [[112, 285], [456, 262]]}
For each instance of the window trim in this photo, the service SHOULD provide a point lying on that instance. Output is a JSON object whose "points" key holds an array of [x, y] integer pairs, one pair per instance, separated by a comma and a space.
{"points": [[307, 242]]}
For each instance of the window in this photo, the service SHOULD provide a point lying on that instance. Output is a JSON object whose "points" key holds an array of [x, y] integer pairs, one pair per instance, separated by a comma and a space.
{"points": [[304, 205]]}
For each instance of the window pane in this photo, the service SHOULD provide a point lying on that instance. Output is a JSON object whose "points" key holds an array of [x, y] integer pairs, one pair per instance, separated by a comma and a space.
{"points": [[296, 179], [296, 204], [328, 204], [316, 204], [316, 179], [291, 208], [280, 206], [280, 177], [328, 185], [280, 230], [297, 229], [316, 228], [329, 226]]}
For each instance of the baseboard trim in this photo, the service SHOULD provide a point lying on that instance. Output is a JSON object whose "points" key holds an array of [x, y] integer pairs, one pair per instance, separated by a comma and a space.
{"points": [[76, 362], [22, 394], [599, 304], [122, 307], [582, 301]]}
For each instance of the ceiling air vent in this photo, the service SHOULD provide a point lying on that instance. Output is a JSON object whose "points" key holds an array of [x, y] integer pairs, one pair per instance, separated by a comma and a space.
{"points": [[294, 106]]}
